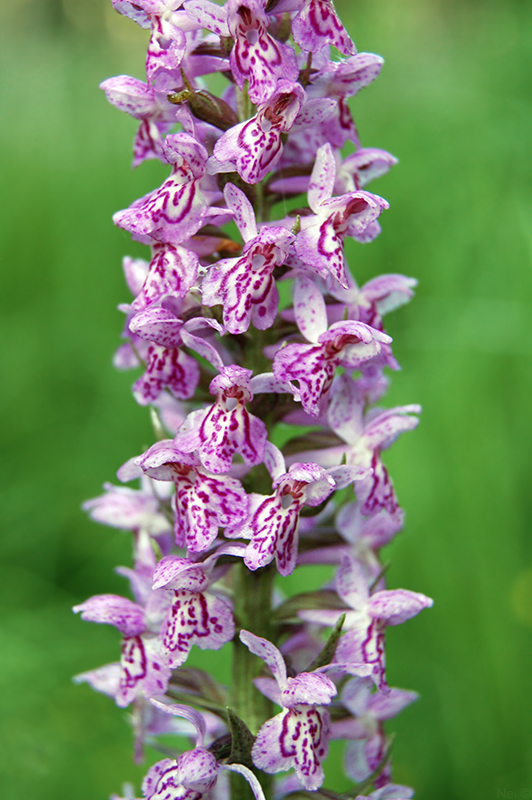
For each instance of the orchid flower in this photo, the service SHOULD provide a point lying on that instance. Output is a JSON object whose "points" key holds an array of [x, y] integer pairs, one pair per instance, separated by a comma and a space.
{"points": [[243, 294]]}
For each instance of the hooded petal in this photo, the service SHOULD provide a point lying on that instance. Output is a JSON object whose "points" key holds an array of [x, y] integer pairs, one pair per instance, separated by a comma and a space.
{"points": [[310, 688]]}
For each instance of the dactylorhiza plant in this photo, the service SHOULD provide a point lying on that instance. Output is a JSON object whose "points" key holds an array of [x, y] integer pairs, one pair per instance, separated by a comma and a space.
{"points": [[257, 205]]}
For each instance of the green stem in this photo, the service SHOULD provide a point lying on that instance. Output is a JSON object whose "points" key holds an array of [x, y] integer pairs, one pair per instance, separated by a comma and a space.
{"points": [[261, 207], [252, 610], [244, 104]]}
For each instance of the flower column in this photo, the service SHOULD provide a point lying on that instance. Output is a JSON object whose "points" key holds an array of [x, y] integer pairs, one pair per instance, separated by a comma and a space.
{"points": [[222, 511]]}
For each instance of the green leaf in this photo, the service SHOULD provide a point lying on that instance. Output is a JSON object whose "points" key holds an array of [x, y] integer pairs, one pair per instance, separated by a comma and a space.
{"points": [[322, 599], [169, 752], [242, 740], [319, 794], [197, 702], [199, 682], [326, 654]]}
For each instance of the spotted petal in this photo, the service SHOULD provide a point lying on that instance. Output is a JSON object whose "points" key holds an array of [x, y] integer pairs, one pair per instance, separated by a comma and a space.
{"points": [[256, 56], [172, 270], [172, 369], [317, 25], [268, 652], [204, 503], [143, 670], [224, 433], [195, 618], [298, 738]]}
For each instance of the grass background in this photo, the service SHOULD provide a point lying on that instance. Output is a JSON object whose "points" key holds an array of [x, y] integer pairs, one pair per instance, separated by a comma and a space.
{"points": [[454, 104]]}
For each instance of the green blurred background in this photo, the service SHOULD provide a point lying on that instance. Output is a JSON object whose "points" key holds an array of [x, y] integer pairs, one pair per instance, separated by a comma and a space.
{"points": [[454, 104]]}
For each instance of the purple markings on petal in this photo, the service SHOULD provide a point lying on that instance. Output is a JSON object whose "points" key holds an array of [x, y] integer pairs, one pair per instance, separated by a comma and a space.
{"points": [[346, 344], [172, 270], [208, 15], [364, 643], [320, 243], [255, 146], [318, 25], [166, 48], [256, 56], [272, 524], [245, 286], [176, 210], [269, 654], [195, 618], [202, 502], [295, 738], [226, 428], [142, 670], [189, 778], [366, 436], [244, 215], [172, 369]]}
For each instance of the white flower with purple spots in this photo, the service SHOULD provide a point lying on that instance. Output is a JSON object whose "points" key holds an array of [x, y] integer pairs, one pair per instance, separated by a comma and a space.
{"points": [[172, 271], [349, 344], [297, 737], [178, 208], [226, 427], [272, 521], [168, 24], [255, 146], [369, 709], [256, 56], [365, 436], [320, 242], [196, 616], [363, 641], [142, 669], [317, 25], [167, 364], [245, 286], [202, 503], [195, 772]]}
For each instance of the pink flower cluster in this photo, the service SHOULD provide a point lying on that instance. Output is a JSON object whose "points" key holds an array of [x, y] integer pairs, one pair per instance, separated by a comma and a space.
{"points": [[225, 367]]}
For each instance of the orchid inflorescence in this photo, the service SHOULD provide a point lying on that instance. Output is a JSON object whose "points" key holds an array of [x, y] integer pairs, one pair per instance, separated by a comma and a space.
{"points": [[232, 368]]}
